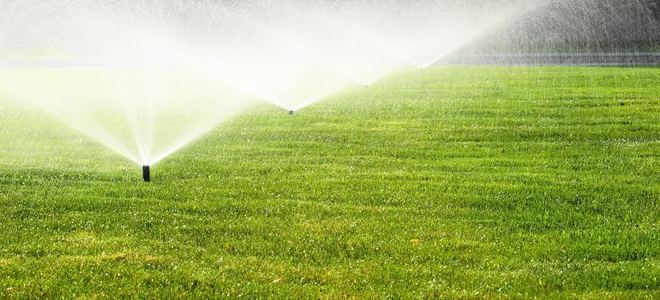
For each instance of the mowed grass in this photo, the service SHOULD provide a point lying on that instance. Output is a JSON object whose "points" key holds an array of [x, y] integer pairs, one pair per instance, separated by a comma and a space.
{"points": [[446, 182]]}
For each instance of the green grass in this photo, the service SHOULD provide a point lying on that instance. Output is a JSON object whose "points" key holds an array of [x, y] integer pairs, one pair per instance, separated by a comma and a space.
{"points": [[448, 182]]}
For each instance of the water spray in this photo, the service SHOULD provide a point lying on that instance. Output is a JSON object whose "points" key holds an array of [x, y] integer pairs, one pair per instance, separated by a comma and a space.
{"points": [[123, 58], [146, 173]]}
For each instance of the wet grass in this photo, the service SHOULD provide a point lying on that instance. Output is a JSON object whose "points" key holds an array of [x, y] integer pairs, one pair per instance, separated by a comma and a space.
{"points": [[448, 182]]}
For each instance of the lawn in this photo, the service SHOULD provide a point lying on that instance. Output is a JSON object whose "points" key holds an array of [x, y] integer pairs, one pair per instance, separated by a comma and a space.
{"points": [[444, 182]]}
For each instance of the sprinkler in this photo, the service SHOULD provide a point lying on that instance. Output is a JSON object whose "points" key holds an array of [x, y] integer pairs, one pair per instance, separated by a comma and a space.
{"points": [[290, 112], [146, 174]]}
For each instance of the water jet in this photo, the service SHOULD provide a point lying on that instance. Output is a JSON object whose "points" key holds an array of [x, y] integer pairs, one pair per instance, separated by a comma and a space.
{"points": [[146, 79]]}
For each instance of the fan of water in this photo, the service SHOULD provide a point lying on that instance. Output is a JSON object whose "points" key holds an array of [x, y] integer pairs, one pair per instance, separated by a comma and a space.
{"points": [[145, 78]]}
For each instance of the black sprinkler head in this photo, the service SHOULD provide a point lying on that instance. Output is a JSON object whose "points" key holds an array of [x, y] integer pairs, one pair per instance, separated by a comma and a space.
{"points": [[146, 174], [291, 112]]}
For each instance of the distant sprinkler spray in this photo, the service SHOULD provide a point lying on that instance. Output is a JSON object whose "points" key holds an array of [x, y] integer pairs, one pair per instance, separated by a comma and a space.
{"points": [[146, 174]]}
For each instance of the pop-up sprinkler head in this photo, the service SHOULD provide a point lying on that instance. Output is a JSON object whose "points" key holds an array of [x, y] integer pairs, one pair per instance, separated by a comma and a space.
{"points": [[146, 174], [290, 112]]}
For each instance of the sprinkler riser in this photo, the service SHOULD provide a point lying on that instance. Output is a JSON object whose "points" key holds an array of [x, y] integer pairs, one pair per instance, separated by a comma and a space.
{"points": [[146, 173]]}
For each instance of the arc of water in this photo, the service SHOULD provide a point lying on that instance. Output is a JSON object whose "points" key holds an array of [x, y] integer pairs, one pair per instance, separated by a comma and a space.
{"points": [[265, 30]]}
